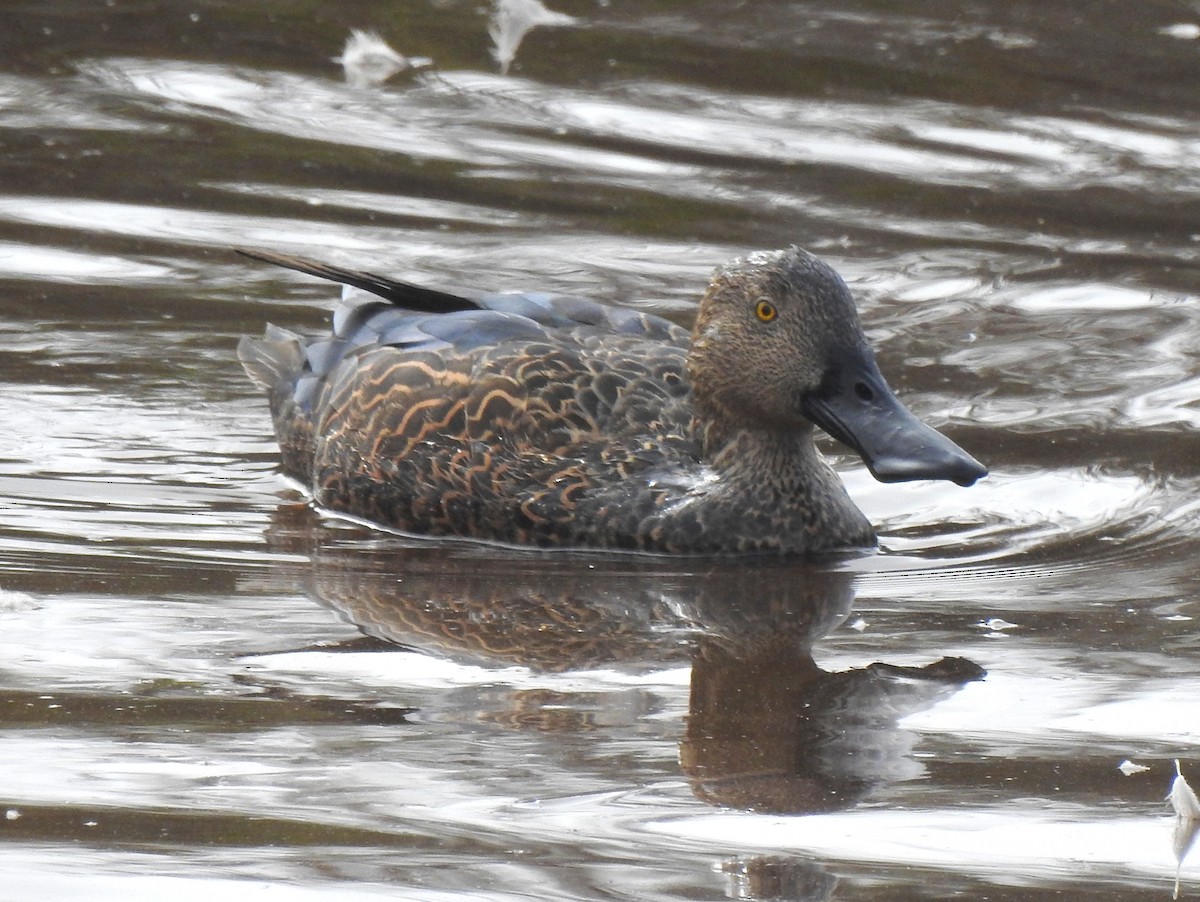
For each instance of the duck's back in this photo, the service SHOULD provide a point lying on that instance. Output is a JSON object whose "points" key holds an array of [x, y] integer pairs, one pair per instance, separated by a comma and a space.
{"points": [[529, 419]]}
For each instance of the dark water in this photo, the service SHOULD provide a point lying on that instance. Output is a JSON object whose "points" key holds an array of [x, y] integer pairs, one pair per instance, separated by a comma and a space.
{"points": [[200, 690]]}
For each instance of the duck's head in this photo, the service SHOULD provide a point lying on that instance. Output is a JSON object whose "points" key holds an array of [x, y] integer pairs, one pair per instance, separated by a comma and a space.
{"points": [[777, 345]]}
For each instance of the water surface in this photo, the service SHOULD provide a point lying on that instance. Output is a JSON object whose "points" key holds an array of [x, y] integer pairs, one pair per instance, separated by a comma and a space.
{"points": [[207, 688]]}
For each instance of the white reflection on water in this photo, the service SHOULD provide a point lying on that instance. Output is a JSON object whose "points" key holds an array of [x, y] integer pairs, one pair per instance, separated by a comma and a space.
{"points": [[419, 670], [578, 262], [53, 264], [46, 103], [395, 205], [182, 226], [122, 646], [1010, 513], [1026, 839], [42, 877], [1031, 697], [1085, 296]]}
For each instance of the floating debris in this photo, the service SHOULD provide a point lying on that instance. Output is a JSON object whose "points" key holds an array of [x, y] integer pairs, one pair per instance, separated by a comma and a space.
{"points": [[512, 20], [1129, 768], [16, 602], [368, 60], [1185, 31], [996, 625], [1187, 820], [1183, 797]]}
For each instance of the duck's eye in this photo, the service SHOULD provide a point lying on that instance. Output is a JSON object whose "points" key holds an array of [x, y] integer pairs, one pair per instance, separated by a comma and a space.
{"points": [[765, 311]]}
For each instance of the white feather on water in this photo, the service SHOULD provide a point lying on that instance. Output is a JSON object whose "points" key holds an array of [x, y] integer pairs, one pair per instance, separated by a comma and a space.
{"points": [[512, 20]]}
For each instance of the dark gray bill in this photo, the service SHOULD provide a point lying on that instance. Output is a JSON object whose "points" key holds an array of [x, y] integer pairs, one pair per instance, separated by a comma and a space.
{"points": [[856, 407]]}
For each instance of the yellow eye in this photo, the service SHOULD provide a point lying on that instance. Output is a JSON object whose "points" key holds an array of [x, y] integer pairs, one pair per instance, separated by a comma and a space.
{"points": [[765, 311]]}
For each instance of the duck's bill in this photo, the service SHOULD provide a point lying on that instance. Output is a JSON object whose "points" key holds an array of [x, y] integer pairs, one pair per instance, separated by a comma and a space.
{"points": [[857, 408]]}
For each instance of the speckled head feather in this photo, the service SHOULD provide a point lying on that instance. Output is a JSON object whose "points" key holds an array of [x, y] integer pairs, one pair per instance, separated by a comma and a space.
{"points": [[748, 367], [531, 419]]}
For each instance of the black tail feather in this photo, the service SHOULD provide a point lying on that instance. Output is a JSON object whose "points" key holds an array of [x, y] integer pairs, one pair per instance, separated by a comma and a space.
{"points": [[402, 294]]}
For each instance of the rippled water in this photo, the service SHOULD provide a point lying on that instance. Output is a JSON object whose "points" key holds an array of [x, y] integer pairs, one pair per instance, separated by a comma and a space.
{"points": [[206, 688]]}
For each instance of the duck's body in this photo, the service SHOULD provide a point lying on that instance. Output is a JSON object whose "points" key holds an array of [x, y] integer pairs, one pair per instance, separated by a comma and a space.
{"points": [[559, 422]]}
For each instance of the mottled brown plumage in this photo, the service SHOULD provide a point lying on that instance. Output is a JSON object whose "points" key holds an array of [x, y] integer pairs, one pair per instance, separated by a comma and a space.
{"points": [[560, 422]]}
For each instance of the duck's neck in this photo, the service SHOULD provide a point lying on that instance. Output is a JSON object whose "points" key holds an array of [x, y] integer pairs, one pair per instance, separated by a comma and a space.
{"points": [[782, 470], [739, 449]]}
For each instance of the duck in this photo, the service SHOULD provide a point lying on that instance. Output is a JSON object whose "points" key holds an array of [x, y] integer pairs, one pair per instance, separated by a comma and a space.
{"points": [[533, 419]]}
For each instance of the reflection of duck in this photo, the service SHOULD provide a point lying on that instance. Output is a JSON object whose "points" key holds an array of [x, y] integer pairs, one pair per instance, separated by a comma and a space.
{"points": [[764, 877], [568, 611], [557, 421], [776, 733], [767, 728]]}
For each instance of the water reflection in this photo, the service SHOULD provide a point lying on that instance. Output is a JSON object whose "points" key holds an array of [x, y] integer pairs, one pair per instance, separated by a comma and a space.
{"points": [[774, 732], [767, 729], [777, 877]]}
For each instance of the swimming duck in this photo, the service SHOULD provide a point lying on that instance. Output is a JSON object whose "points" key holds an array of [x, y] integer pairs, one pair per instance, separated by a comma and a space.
{"points": [[556, 421]]}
